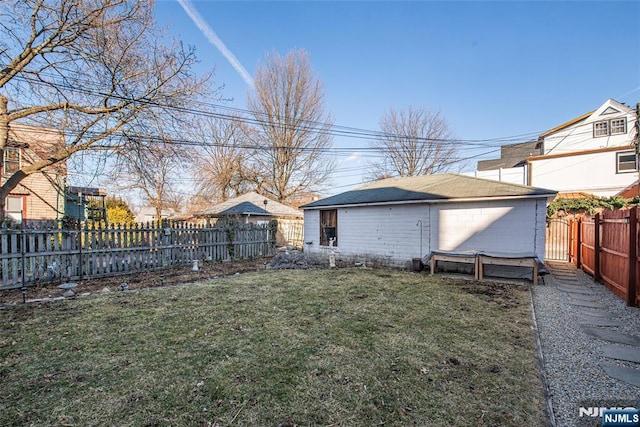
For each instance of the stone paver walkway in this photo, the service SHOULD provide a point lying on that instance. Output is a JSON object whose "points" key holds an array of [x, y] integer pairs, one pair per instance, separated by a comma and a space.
{"points": [[598, 321]]}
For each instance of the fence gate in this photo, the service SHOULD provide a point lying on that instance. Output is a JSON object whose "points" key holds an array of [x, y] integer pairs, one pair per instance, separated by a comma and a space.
{"points": [[558, 240]]}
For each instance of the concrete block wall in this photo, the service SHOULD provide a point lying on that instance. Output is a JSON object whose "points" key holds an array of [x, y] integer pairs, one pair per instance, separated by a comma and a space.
{"points": [[500, 226], [393, 232]]}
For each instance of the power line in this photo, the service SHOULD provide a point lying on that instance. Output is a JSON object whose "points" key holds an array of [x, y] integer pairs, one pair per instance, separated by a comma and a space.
{"points": [[309, 125]]}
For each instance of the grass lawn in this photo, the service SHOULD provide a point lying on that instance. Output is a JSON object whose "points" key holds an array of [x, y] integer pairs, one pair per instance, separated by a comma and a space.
{"points": [[346, 347]]}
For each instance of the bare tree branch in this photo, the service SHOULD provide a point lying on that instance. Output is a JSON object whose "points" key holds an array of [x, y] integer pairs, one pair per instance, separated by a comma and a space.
{"points": [[293, 128], [153, 168], [93, 69], [416, 141], [222, 164]]}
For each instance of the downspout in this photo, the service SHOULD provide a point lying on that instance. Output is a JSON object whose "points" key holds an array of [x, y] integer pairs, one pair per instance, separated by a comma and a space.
{"points": [[535, 231], [419, 224], [429, 227]]}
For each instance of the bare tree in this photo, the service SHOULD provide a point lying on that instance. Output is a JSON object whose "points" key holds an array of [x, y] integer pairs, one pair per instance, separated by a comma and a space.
{"points": [[153, 168], [292, 130], [414, 142], [221, 163], [91, 69]]}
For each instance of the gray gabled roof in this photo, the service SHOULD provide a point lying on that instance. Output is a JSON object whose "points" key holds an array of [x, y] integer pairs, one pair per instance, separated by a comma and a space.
{"points": [[251, 204], [430, 188]]}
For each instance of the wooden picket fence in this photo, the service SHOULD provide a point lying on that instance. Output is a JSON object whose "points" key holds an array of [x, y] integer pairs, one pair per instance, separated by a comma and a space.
{"points": [[32, 256], [607, 246]]}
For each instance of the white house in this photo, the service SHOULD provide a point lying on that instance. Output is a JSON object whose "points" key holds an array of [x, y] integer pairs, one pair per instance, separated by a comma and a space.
{"points": [[594, 153], [398, 219], [148, 214]]}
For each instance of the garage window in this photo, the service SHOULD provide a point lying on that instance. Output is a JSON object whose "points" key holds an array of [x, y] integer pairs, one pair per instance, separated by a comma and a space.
{"points": [[329, 227]]}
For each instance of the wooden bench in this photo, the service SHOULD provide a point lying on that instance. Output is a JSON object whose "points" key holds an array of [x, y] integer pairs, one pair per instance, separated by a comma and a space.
{"points": [[466, 259], [517, 262], [479, 261]]}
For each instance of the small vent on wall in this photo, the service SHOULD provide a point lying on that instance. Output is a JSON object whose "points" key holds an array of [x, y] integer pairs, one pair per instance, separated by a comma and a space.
{"points": [[609, 110]]}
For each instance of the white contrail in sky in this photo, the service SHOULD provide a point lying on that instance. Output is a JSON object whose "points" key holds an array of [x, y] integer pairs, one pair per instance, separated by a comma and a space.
{"points": [[629, 93], [215, 40]]}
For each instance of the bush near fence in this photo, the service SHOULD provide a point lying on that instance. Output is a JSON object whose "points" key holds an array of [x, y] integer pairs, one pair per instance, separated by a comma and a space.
{"points": [[30, 256]]}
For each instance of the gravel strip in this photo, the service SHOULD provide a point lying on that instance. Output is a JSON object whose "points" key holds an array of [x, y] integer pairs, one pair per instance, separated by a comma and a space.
{"points": [[572, 358]]}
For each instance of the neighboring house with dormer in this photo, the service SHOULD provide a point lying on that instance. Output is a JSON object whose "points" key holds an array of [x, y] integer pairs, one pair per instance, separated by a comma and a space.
{"points": [[40, 196], [595, 153]]}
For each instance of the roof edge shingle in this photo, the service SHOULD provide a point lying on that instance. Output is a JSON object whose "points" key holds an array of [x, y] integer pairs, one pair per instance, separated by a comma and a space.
{"points": [[430, 189]]}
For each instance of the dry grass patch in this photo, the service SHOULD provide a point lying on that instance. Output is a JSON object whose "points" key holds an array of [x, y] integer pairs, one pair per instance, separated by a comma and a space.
{"points": [[348, 347]]}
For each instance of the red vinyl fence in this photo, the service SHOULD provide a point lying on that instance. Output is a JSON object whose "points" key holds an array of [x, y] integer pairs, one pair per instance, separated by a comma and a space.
{"points": [[607, 247]]}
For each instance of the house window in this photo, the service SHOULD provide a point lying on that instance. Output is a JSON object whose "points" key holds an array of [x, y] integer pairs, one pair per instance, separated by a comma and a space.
{"points": [[12, 157], [329, 227], [601, 129], [618, 126], [610, 127], [14, 208], [626, 162]]}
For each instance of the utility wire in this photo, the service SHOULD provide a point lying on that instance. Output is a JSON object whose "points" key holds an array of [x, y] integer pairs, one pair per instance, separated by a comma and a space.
{"points": [[315, 126]]}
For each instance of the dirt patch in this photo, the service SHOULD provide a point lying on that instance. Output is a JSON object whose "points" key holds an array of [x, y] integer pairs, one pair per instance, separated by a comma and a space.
{"points": [[150, 279], [295, 259], [504, 295]]}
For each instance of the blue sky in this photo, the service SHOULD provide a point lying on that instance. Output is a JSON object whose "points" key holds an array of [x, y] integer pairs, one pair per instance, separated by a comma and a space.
{"points": [[493, 69]]}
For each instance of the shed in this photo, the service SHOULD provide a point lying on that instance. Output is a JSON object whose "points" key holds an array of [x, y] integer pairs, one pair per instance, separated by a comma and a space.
{"points": [[398, 219], [258, 209]]}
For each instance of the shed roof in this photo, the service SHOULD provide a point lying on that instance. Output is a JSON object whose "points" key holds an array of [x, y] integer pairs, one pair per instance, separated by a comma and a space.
{"points": [[430, 189], [251, 203]]}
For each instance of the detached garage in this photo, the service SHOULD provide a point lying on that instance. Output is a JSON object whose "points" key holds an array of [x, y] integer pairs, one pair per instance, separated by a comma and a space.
{"points": [[398, 219]]}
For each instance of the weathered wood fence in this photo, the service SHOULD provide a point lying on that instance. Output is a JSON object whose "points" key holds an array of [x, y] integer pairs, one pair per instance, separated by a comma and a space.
{"points": [[33, 256], [607, 246]]}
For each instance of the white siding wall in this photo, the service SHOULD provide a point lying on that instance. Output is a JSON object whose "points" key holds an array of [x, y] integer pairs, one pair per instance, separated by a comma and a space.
{"points": [[516, 175], [594, 174], [392, 233], [590, 173], [579, 137]]}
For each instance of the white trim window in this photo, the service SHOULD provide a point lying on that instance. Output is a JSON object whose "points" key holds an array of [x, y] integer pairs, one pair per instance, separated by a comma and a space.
{"points": [[618, 126], [610, 127], [14, 208], [626, 161], [601, 129], [12, 160]]}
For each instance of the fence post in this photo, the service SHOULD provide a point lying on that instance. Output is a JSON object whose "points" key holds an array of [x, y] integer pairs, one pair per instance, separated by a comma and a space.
{"points": [[633, 259], [80, 248], [167, 241], [23, 248], [571, 238], [596, 248], [579, 243]]}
